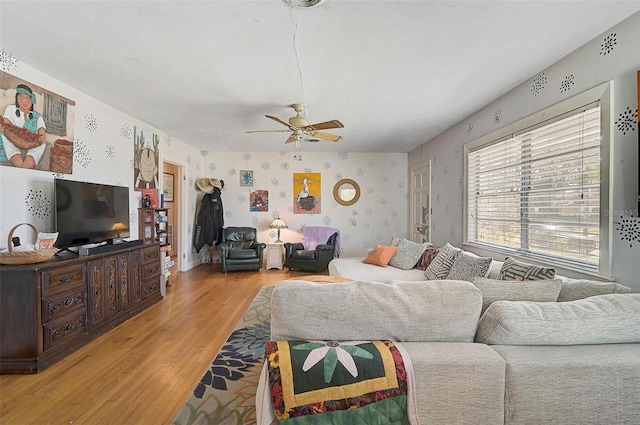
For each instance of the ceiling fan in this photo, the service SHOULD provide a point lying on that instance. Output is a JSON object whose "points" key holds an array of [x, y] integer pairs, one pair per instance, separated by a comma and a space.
{"points": [[300, 127]]}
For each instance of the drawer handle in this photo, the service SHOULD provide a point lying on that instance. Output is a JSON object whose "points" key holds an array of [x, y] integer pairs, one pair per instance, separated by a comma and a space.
{"points": [[68, 302], [67, 278], [151, 254]]}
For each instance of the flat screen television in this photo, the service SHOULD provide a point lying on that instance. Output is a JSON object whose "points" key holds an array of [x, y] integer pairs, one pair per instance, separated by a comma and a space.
{"points": [[89, 213]]}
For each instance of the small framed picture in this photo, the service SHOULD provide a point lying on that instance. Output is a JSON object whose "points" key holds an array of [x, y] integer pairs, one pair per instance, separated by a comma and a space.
{"points": [[246, 177]]}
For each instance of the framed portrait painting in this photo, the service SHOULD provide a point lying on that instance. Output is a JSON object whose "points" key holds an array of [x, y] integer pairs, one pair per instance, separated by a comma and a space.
{"points": [[41, 133], [307, 190]]}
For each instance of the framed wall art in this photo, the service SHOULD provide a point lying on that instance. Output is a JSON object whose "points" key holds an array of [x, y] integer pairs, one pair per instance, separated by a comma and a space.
{"points": [[41, 133], [307, 190], [259, 201], [246, 177], [146, 157], [167, 187]]}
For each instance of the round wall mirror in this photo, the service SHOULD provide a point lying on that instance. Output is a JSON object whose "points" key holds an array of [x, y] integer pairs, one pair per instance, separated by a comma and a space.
{"points": [[346, 192]]}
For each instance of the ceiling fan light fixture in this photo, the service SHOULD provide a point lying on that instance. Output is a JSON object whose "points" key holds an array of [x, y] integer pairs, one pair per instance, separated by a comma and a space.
{"points": [[302, 4]]}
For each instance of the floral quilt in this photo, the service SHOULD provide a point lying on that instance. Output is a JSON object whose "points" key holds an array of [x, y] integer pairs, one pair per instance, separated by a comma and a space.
{"points": [[351, 382]]}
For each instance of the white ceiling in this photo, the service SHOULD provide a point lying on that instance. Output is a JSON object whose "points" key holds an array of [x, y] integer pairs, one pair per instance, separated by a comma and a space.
{"points": [[396, 73]]}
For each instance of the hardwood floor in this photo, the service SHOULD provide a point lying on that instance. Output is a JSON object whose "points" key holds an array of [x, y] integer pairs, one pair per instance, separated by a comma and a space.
{"points": [[142, 371]]}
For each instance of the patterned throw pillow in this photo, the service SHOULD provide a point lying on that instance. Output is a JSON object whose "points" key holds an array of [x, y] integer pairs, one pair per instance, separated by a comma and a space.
{"points": [[380, 255], [515, 270], [468, 266], [440, 266], [408, 254], [395, 241], [427, 257]]}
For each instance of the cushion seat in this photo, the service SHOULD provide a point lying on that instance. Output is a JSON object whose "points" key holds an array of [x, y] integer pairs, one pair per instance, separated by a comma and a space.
{"points": [[306, 254], [239, 254]]}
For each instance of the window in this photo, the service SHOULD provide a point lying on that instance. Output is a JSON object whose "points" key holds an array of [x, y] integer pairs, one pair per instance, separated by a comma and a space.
{"points": [[537, 191]]}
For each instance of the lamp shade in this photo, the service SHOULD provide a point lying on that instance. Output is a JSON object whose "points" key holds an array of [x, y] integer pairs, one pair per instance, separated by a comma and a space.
{"points": [[278, 224]]}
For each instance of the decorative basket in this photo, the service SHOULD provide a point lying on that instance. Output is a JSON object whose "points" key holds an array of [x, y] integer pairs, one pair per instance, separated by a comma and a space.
{"points": [[25, 257], [21, 137], [61, 160]]}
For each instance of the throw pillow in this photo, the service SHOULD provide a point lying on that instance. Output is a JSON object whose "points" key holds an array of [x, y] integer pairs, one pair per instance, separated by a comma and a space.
{"points": [[380, 255], [427, 257], [440, 266], [576, 289], [408, 254], [515, 270], [546, 290], [467, 267]]}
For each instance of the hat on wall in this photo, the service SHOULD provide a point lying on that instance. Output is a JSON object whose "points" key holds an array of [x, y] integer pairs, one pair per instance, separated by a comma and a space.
{"points": [[207, 185]]}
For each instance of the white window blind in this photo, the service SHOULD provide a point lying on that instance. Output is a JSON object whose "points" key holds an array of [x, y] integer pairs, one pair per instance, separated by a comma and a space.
{"points": [[538, 191]]}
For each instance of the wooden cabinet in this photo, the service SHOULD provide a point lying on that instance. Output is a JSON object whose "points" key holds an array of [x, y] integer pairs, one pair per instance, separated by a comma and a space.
{"points": [[49, 310]]}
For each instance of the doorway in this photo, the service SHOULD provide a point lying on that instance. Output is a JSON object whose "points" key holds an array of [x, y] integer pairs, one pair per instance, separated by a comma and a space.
{"points": [[421, 203], [173, 173]]}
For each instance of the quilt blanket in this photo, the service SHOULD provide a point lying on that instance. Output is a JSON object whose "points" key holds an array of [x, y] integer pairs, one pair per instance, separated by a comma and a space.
{"points": [[331, 382]]}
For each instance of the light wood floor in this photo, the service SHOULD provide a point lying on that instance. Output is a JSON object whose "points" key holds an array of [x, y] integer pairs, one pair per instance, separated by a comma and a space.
{"points": [[142, 371]]}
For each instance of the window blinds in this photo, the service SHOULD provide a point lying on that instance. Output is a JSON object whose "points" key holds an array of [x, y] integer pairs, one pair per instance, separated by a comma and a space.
{"points": [[538, 190]]}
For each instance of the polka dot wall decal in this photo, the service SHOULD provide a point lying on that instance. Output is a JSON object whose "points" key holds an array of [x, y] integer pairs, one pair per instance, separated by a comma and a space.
{"points": [[469, 128], [283, 194], [110, 151], [307, 169], [343, 155], [453, 231], [538, 84], [284, 166], [326, 165], [231, 171], [275, 181], [255, 221], [497, 117], [627, 120], [337, 176], [326, 220], [265, 165], [212, 166], [368, 211], [372, 162], [125, 131], [7, 61], [567, 83], [246, 156], [353, 222], [384, 179], [91, 123], [168, 141], [360, 172], [58, 175], [607, 46], [629, 229], [81, 153], [456, 151], [38, 204], [383, 201]]}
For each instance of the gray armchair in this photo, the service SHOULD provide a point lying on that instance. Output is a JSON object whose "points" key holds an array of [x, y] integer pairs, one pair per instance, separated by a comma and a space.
{"points": [[239, 249]]}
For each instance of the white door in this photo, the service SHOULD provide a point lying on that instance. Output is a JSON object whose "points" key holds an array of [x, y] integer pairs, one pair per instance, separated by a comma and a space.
{"points": [[420, 203]]}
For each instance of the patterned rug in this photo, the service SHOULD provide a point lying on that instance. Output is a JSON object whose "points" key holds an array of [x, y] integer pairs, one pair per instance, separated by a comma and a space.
{"points": [[225, 394]]}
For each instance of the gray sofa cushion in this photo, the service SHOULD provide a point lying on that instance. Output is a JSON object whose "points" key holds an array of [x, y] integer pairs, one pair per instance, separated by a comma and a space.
{"points": [[571, 385], [603, 319], [408, 311], [576, 289], [509, 290]]}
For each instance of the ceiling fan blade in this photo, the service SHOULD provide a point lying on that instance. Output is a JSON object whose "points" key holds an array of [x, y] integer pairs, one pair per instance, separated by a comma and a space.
{"points": [[267, 131], [327, 136], [292, 138], [276, 119], [327, 125]]}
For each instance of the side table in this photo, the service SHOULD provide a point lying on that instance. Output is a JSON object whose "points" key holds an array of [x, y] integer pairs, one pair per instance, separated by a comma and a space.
{"points": [[275, 255]]}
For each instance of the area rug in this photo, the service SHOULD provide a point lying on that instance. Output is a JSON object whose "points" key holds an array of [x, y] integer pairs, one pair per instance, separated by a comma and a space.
{"points": [[226, 393]]}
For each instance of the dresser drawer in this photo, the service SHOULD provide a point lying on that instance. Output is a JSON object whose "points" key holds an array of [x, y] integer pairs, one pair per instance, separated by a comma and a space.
{"points": [[58, 332], [151, 287], [150, 254], [62, 279], [151, 270], [60, 305]]}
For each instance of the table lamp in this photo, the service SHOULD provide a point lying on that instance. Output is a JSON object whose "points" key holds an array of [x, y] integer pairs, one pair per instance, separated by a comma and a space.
{"points": [[278, 224]]}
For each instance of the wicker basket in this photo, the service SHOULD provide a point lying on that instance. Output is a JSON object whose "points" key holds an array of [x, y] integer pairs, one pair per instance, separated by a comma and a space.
{"points": [[25, 257], [21, 137], [61, 160]]}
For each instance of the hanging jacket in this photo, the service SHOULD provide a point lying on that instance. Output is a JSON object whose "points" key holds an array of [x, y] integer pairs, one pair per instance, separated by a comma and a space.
{"points": [[210, 220]]}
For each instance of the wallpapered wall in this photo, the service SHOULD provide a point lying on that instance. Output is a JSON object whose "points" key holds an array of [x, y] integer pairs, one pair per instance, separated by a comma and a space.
{"points": [[104, 151], [612, 56], [379, 214]]}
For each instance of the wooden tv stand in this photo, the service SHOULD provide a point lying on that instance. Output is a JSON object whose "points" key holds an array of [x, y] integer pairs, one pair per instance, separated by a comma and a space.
{"points": [[49, 310]]}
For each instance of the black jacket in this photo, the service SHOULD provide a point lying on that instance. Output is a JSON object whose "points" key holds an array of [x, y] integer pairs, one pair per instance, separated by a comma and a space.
{"points": [[210, 220]]}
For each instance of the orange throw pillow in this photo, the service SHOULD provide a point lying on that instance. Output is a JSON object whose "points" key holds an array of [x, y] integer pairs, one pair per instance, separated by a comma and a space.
{"points": [[381, 255]]}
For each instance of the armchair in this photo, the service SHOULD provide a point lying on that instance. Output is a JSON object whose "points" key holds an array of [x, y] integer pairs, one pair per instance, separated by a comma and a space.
{"points": [[306, 256], [239, 249]]}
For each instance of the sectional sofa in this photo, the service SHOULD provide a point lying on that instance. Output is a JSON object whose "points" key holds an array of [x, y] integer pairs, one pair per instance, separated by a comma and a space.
{"points": [[518, 362]]}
